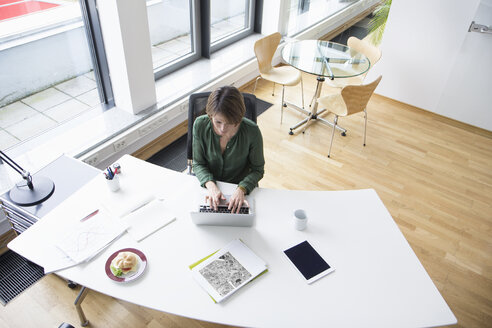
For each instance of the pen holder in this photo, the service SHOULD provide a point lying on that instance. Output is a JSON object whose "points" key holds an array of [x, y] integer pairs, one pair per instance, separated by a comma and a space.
{"points": [[114, 183]]}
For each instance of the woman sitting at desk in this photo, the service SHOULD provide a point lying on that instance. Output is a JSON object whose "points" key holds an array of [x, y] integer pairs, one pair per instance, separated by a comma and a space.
{"points": [[227, 147]]}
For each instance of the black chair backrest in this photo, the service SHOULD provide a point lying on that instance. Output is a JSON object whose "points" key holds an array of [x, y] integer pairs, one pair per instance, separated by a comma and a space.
{"points": [[196, 107]]}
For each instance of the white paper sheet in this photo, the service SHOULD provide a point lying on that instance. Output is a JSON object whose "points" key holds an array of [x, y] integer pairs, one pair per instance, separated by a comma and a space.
{"points": [[86, 239], [122, 203], [148, 219]]}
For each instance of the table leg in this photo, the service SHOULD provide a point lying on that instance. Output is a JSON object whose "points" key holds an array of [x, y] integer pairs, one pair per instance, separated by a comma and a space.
{"points": [[313, 117], [322, 120], [314, 114], [78, 302], [294, 106], [299, 124]]}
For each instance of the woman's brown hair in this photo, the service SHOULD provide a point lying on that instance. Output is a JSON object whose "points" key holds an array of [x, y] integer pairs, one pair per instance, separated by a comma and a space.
{"points": [[227, 101]]}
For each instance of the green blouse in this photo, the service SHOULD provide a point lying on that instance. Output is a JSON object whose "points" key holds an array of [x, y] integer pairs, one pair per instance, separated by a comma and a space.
{"points": [[241, 163]]}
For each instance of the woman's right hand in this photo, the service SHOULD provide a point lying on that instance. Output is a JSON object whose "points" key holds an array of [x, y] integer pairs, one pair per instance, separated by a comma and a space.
{"points": [[214, 194]]}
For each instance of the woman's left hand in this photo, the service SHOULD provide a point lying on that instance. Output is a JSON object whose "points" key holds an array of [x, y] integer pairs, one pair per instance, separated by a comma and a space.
{"points": [[237, 200]]}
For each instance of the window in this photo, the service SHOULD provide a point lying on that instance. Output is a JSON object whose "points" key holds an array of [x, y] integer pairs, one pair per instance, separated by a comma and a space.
{"points": [[230, 21], [47, 75], [173, 34], [303, 14], [184, 31]]}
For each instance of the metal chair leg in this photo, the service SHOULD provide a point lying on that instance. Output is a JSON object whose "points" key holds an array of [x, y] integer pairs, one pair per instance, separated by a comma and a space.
{"points": [[78, 302], [302, 92], [365, 126], [282, 105], [189, 167], [254, 89], [333, 133]]}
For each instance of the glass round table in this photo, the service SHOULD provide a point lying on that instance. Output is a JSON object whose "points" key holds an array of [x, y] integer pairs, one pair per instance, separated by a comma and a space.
{"points": [[324, 59]]}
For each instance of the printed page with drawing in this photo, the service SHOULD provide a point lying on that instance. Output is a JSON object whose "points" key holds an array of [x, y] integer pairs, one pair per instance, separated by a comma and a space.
{"points": [[227, 270], [85, 239]]}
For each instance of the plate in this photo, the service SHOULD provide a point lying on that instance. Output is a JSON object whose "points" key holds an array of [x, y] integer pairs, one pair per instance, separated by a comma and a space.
{"points": [[142, 264]]}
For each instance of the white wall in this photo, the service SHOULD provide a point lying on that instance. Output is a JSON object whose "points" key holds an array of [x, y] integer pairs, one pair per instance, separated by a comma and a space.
{"points": [[467, 95], [421, 47]]}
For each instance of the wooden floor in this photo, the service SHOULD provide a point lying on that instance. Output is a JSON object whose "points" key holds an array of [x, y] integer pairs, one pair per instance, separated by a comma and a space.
{"points": [[433, 174]]}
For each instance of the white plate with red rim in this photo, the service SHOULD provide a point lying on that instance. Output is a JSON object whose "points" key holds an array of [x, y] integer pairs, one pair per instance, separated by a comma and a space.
{"points": [[127, 277]]}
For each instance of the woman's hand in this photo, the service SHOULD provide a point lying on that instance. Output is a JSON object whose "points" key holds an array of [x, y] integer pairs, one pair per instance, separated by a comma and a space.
{"points": [[237, 200], [214, 194]]}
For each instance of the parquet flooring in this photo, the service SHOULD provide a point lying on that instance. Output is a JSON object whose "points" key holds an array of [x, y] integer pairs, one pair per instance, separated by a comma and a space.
{"points": [[433, 174]]}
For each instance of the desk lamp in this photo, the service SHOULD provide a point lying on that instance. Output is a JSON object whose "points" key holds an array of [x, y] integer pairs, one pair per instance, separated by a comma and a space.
{"points": [[35, 189]]}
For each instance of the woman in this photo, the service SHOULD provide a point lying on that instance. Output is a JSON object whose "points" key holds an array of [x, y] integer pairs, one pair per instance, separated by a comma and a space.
{"points": [[227, 147]]}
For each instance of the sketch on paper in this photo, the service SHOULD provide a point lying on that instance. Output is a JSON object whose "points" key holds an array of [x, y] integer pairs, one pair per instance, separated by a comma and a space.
{"points": [[225, 274], [87, 239]]}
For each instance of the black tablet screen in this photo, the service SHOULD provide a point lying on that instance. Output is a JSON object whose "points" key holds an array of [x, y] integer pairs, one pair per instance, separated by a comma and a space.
{"points": [[306, 259]]}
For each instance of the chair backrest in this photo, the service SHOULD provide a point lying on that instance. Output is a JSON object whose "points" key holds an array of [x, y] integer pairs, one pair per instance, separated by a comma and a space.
{"points": [[265, 49], [373, 53], [356, 97], [196, 107]]}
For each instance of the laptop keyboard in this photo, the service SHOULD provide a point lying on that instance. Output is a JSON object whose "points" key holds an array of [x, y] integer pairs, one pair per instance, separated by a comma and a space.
{"points": [[222, 209]]}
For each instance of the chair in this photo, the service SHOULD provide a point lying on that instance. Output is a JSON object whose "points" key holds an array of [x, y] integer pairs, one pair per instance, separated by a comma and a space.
{"points": [[196, 107], [65, 325], [350, 100], [285, 75], [372, 52]]}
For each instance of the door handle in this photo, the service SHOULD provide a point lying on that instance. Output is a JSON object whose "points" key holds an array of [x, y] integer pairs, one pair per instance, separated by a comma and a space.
{"points": [[479, 28]]}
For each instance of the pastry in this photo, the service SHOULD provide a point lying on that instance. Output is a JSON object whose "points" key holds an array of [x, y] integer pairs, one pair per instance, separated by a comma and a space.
{"points": [[124, 263]]}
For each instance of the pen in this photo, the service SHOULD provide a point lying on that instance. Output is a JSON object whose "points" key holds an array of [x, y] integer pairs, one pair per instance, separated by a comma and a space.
{"points": [[117, 168], [110, 173], [89, 216], [142, 205]]}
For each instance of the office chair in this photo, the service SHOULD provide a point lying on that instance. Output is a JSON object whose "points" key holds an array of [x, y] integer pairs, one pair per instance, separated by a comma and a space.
{"points": [[65, 325], [196, 107], [285, 75], [350, 100], [372, 52]]}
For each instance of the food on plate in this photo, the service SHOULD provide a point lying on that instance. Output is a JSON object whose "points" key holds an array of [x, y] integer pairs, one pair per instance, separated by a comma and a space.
{"points": [[124, 263]]}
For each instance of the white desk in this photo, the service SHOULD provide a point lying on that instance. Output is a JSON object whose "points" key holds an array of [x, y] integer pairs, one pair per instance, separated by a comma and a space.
{"points": [[378, 282]]}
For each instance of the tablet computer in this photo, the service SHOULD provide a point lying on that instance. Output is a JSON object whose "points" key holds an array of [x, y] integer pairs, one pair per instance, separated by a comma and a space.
{"points": [[308, 261]]}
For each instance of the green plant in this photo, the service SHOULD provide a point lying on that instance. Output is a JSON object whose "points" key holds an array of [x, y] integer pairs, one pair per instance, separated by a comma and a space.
{"points": [[378, 22]]}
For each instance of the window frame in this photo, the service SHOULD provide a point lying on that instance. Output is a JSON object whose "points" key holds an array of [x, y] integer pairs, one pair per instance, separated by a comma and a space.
{"points": [[231, 38], [99, 60], [201, 34], [196, 45]]}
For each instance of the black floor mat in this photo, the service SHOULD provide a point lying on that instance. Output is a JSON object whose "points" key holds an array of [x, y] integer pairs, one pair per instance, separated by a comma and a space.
{"points": [[174, 156], [357, 31], [261, 106], [16, 275]]}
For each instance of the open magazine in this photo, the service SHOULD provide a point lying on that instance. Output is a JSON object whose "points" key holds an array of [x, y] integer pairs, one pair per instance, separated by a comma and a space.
{"points": [[227, 270]]}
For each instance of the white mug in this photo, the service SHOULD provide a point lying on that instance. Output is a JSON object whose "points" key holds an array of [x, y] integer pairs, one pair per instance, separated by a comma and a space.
{"points": [[300, 219]]}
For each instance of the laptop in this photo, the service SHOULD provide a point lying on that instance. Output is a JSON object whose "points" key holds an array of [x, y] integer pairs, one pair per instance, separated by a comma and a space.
{"points": [[203, 214]]}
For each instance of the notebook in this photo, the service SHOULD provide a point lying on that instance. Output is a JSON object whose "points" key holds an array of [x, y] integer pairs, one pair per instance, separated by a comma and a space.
{"points": [[225, 218]]}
